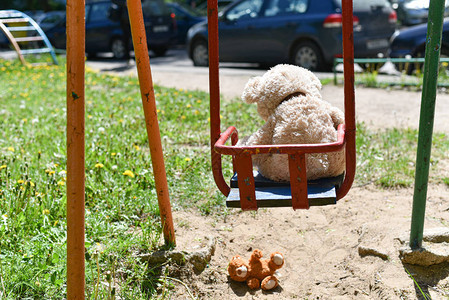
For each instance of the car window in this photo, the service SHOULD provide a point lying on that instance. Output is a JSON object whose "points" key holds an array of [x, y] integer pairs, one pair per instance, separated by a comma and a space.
{"points": [[154, 8], [99, 12], [245, 9], [285, 7]]}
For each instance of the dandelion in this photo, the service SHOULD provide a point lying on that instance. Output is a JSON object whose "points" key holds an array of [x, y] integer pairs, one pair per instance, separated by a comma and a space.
{"points": [[188, 105], [187, 159], [32, 184], [183, 117], [99, 165], [198, 101], [136, 147], [20, 181], [56, 223], [61, 182], [2, 167], [11, 149], [113, 154], [128, 173], [46, 212]]}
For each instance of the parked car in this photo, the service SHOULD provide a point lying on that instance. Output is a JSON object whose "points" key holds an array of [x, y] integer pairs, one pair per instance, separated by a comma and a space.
{"points": [[105, 35], [413, 12], [411, 41], [302, 32], [185, 18]]}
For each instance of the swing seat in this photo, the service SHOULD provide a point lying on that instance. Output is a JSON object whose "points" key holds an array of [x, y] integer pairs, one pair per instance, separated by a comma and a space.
{"points": [[278, 194], [250, 191]]}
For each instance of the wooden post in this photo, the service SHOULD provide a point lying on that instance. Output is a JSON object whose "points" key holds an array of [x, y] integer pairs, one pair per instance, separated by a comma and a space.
{"points": [[152, 124], [75, 148]]}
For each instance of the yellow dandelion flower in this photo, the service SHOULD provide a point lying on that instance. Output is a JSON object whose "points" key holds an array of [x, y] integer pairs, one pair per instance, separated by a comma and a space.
{"points": [[32, 184], [113, 154], [22, 188], [188, 105], [198, 101], [56, 223], [99, 165], [187, 159], [136, 147], [2, 167], [129, 173], [183, 117], [20, 181], [46, 212], [61, 182], [197, 112], [11, 149], [51, 173]]}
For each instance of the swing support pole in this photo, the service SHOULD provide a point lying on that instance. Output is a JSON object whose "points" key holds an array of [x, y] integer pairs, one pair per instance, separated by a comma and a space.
{"points": [[426, 120], [75, 149], [151, 121]]}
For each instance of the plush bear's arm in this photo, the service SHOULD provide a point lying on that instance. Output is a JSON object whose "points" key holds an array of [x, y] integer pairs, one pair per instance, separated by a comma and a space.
{"points": [[337, 116], [263, 136]]}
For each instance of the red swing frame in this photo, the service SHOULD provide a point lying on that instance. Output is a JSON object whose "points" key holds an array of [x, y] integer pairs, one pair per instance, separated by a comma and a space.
{"points": [[241, 156]]}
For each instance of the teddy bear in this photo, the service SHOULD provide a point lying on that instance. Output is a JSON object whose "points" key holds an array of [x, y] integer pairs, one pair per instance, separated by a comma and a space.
{"points": [[289, 101], [257, 272]]}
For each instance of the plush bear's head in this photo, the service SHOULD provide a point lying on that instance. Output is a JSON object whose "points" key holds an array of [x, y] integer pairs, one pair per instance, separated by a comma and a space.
{"points": [[238, 269], [280, 82]]}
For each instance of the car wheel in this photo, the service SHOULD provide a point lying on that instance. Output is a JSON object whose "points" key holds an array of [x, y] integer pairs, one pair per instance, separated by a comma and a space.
{"points": [[200, 54], [307, 55], [160, 51], [91, 55], [118, 48], [413, 68]]}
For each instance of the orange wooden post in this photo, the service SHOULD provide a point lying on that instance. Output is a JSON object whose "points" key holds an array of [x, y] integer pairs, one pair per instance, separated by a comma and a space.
{"points": [[75, 149], [149, 108]]}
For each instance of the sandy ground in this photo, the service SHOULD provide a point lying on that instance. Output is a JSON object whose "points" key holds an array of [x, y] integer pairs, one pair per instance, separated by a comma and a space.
{"points": [[321, 245]]}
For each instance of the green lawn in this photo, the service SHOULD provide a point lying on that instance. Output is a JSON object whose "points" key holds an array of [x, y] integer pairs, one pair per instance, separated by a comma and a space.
{"points": [[122, 216]]}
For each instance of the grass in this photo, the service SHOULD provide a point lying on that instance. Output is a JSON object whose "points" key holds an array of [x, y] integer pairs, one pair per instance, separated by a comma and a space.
{"points": [[121, 205]]}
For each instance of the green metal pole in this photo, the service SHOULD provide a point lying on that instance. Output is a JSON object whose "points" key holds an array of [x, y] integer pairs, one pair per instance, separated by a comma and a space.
{"points": [[433, 42]]}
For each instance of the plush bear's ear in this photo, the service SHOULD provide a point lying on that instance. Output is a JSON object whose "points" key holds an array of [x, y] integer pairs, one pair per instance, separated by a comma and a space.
{"points": [[251, 92]]}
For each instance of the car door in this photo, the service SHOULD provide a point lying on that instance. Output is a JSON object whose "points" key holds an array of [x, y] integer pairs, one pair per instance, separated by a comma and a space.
{"points": [[99, 28], [239, 37]]}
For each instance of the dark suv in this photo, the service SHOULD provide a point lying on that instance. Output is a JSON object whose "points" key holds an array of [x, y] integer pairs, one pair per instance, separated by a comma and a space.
{"points": [[302, 32], [105, 35]]}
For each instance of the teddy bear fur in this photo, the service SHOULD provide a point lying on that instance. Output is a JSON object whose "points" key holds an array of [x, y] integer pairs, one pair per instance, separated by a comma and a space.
{"points": [[257, 272], [289, 101]]}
